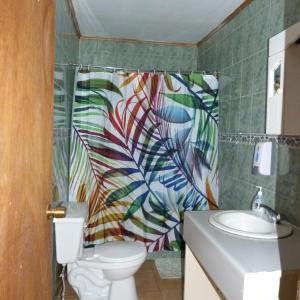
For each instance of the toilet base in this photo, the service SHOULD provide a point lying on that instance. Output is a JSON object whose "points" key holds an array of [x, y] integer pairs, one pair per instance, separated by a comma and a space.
{"points": [[123, 289]]}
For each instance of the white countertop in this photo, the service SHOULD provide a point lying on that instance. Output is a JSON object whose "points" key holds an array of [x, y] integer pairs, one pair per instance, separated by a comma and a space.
{"points": [[227, 258]]}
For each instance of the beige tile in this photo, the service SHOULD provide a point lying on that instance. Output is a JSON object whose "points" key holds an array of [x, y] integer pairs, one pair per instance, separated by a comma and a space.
{"points": [[150, 296], [148, 266], [168, 289], [172, 294], [145, 278], [146, 282], [170, 284], [171, 289]]}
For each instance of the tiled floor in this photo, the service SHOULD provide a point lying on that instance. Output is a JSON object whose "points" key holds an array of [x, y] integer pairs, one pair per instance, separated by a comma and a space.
{"points": [[149, 285]]}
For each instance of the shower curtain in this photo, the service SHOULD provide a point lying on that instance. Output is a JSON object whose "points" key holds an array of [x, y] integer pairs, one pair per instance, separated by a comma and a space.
{"points": [[143, 150]]}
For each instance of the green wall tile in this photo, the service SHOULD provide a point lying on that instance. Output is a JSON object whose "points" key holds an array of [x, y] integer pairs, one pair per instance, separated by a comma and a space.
{"points": [[66, 41], [248, 42], [245, 114], [225, 83], [277, 16], [262, 28], [66, 51], [247, 76], [138, 55], [288, 184], [229, 154], [236, 80], [234, 115], [244, 161], [258, 121], [243, 85], [237, 49], [223, 111], [260, 72]]}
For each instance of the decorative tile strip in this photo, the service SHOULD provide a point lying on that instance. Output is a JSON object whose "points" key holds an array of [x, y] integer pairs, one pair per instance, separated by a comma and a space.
{"points": [[245, 138]]}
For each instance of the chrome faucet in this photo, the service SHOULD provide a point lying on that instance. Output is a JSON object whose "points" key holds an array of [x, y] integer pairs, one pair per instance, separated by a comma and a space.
{"points": [[270, 213], [262, 210]]}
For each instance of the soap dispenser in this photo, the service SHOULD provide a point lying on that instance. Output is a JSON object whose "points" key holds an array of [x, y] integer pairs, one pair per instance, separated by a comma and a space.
{"points": [[257, 200], [262, 158]]}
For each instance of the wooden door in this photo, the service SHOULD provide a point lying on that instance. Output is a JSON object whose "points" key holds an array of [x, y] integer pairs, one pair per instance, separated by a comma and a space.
{"points": [[26, 97]]}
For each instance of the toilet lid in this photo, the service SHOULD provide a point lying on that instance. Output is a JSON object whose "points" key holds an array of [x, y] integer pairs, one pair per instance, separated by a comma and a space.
{"points": [[120, 251]]}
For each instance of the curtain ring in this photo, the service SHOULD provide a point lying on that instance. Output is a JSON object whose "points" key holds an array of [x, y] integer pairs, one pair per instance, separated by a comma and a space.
{"points": [[89, 68]]}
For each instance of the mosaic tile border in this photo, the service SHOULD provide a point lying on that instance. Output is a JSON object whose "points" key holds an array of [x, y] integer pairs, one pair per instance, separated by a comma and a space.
{"points": [[242, 138]]}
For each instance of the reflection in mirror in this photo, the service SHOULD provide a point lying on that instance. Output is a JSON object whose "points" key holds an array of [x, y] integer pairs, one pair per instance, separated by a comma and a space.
{"points": [[277, 77]]}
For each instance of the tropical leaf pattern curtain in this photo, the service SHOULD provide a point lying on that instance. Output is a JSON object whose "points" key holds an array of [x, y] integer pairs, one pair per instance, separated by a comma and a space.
{"points": [[143, 150]]}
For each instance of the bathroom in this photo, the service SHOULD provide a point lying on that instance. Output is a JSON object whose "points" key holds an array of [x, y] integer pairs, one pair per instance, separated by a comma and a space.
{"points": [[231, 56]]}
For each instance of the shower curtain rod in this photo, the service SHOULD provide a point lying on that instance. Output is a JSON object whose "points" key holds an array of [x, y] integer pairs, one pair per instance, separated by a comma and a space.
{"points": [[135, 70]]}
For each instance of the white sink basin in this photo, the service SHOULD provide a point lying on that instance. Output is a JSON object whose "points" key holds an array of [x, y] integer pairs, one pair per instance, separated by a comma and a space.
{"points": [[246, 223]]}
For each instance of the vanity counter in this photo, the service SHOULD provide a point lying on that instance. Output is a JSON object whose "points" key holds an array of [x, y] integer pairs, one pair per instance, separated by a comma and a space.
{"points": [[241, 267]]}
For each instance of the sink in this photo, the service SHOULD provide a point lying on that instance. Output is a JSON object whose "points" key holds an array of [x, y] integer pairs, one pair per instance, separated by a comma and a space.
{"points": [[246, 223]]}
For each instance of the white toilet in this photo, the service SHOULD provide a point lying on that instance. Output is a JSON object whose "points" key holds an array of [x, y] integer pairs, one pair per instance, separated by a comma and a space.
{"points": [[102, 272]]}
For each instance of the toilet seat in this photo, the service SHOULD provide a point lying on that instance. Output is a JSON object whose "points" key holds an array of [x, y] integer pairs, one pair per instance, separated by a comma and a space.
{"points": [[121, 251], [113, 253]]}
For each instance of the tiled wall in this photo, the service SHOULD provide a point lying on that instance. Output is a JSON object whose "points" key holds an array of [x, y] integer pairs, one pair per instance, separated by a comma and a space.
{"points": [[239, 51], [66, 41], [66, 50], [144, 56]]}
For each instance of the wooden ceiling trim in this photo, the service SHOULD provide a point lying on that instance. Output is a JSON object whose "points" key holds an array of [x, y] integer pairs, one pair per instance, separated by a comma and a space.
{"points": [[131, 40], [73, 17], [237, 11]]}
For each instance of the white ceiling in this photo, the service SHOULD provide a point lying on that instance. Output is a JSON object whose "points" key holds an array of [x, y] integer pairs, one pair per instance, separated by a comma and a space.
{"points": [[153, 20]]}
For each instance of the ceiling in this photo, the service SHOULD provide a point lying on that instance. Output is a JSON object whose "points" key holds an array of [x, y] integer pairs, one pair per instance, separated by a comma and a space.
{"points": [[181, 21]]}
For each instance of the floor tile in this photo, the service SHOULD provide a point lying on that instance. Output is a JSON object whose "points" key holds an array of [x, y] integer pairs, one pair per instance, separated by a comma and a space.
{"points": [[149, 285], [172, 295], [170, 284], [150, 296]]}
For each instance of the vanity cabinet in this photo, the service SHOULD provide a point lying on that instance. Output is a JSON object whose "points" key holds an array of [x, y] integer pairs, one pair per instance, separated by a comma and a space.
{"points": [[197, 284], [220, 265]]}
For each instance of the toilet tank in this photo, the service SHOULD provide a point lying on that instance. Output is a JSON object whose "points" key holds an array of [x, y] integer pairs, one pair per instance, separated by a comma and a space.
{"points": [[69, 232]]}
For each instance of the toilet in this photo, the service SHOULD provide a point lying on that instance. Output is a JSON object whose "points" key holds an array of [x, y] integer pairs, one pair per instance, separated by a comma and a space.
{"points": [[101, 272]]}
